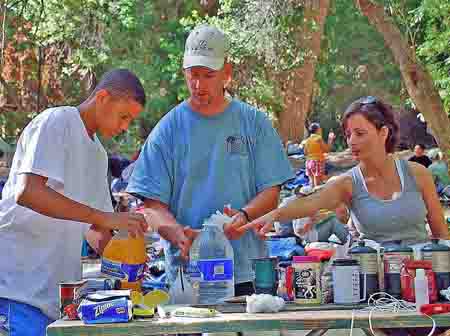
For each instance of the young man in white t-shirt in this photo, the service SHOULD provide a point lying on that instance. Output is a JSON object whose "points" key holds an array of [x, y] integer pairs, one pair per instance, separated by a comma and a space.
{"points": [[57, 192]]}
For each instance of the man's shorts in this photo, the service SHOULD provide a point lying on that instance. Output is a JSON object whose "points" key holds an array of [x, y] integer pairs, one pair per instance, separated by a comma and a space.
{"points": [[21, 319], [315, 168]]}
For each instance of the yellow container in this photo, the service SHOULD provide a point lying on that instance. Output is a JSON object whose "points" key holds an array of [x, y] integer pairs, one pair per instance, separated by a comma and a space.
{"points": [[124, 258]]}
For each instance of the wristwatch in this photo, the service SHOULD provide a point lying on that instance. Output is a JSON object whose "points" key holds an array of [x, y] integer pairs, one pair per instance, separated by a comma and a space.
{"points": [[245, 213]]}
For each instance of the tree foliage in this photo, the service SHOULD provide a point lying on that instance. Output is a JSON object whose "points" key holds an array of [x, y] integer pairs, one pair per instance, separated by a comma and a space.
{"points": [[54, 50]]}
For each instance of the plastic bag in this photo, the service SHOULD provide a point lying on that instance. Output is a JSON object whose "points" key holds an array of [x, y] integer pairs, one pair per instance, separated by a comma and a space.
{"points": [[264, 303], [284, 248], [219, 219], [181, 291]]}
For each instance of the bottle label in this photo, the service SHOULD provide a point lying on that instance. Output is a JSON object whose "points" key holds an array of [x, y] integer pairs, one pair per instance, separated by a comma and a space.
{"points": [[368, 262], [440, 260], [393, 261], [127, 272], [305, 283], [192, 270], [216, 269]]}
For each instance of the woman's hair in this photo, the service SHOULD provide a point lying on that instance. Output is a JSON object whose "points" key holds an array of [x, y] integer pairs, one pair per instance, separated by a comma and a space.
{"points": [[313, 128], [378, 114]]}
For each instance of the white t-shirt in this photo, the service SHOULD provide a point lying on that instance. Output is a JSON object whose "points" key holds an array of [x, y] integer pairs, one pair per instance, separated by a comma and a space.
{"points": [[37, 252]]}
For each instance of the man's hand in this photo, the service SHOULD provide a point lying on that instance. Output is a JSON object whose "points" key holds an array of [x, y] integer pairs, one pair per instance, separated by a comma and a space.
{"points": [[261, 225], [190, 234], [231, 229], [181, 237], [134, 223]]}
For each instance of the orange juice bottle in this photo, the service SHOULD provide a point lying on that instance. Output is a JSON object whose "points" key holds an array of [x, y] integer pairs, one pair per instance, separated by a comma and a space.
{"points": [[124, 258]]}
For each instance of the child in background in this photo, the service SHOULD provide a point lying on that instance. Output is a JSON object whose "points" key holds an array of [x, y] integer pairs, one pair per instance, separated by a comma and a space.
{"points": [[315, 149]]}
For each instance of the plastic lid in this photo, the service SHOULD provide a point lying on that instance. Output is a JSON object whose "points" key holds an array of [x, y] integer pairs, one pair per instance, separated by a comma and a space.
{"points": [[345, 262], [362, 248], [210, 224], [284, 264], [397, 248], [305, 259], [435, 246], [420, 273]]}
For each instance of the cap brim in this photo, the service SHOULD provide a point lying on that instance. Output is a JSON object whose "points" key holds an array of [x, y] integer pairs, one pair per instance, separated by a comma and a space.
{"points": [[204, 61]]}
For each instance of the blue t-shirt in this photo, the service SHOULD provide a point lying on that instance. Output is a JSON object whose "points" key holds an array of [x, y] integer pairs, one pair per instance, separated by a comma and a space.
{"points": [[197, 164]]}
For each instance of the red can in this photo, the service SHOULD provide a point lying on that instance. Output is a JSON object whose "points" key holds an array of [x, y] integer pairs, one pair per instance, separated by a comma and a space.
{"points": [[407, 275], [69, 299], [290, 293]]}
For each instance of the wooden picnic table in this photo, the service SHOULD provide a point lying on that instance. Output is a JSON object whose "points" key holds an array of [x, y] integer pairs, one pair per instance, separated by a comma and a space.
{"points": [[232, 319]]}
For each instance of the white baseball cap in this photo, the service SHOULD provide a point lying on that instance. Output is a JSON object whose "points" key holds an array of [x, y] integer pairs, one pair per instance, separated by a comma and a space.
{"points": [[205, 46]]}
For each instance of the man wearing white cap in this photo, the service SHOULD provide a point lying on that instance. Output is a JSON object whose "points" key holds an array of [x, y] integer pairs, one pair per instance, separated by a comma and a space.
{"points": [[209, 151]]}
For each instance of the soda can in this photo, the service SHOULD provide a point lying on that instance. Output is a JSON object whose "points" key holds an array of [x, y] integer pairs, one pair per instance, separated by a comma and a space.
{"points": [[70, 296]]}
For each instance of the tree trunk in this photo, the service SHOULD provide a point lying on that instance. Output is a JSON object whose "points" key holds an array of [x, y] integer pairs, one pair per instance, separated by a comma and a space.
{"points": [[299, 83], [209, 7], [3, 29], [416, 78]]}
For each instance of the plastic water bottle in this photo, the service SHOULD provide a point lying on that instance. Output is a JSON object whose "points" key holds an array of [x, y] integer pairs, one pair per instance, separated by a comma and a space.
{"points": [[421, 288], [211, 264]]}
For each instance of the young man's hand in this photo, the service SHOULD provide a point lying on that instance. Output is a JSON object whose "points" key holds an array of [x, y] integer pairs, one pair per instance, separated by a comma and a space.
{"points": [[134, 223], [98, 238]]}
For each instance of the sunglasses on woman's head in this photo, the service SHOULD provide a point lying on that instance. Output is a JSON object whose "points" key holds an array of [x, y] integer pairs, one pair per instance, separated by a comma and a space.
{"points": [[368, 100]]}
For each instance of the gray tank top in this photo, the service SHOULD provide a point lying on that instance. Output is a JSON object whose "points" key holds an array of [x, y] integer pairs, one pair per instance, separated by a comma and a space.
{"points": [[402, 218]]}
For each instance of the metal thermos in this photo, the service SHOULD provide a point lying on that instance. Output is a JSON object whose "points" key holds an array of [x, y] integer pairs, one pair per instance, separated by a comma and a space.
{"points": [[394, 255], [439, 255], [368, 259]]}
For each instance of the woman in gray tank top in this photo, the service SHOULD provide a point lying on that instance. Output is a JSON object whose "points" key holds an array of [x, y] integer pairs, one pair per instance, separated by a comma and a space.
{"points": [[389, 199]]}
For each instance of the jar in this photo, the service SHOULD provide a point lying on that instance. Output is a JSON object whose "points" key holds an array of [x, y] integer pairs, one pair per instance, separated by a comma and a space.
{"points": [[307, 280]]}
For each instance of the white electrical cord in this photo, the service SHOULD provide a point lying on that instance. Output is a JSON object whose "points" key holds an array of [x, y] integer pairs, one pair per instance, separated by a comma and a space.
{"points": [[353, 320], [389, 304]]}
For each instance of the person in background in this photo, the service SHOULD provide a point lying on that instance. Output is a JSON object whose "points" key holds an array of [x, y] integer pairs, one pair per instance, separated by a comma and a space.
{"points": [[439, 171], [116, 165], [57, 191], [209, 151], [315, 149], [125, 202], [419, 156]]}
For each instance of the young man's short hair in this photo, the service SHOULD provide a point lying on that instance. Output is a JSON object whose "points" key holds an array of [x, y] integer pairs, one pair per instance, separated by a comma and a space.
{"points": [[122, 83]]}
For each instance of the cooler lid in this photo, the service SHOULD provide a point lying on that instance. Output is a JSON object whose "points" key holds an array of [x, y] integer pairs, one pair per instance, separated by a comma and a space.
{"points": [[345, 262], [362, 248], [434, 246]]}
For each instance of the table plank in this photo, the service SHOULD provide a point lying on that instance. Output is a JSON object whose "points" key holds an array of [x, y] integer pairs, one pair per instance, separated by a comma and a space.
{"points": [[233, 322], [289, 306]]}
